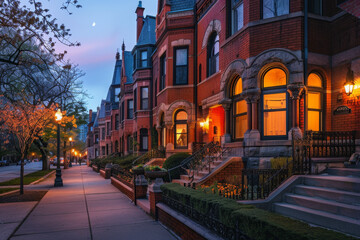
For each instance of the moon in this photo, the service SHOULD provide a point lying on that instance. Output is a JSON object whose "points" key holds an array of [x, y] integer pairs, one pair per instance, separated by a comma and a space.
{"points": [[94, 24]]}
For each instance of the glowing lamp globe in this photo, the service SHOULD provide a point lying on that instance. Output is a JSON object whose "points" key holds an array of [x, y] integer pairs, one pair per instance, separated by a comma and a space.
{"points": [[58, 115]]}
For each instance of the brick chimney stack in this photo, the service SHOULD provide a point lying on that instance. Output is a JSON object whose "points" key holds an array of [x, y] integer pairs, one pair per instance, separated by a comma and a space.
{"points": [[90, 115], [140, 19]]}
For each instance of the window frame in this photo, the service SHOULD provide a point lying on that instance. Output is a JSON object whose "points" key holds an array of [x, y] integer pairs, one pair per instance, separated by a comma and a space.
{"points": [[213, 59], [234, 17], [142, 60], [134, 62], [135, 100], [313, 89], [262, 10], [142, 98], [175, 82], [144, 133], [275, 90], [162, 82], [235, 99], [178, 122], [320, 8], [130, 110]]}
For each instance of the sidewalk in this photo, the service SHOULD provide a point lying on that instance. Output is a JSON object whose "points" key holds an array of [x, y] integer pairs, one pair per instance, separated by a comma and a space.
{"points": [[87, 207]]}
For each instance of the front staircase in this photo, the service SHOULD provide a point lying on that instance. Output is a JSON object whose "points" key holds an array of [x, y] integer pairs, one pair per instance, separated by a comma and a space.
{"points": [[330, 200]]}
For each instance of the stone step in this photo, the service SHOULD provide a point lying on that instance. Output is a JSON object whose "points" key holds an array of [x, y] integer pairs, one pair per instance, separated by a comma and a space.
{"points": [[344, 172], [324, 219], [336, 182], [330, 194], [337, 208]]}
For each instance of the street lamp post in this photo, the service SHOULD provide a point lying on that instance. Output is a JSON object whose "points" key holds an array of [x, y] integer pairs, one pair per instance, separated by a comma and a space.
{"points": [[58, 180], [70, 140]]}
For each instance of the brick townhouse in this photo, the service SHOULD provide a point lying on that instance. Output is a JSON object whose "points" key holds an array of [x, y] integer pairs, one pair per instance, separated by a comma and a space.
{"points": [[245, 73]]}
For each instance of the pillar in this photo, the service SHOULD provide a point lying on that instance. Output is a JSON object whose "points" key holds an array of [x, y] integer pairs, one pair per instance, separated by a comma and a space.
{"points": [[227, 137], [295, 91]]}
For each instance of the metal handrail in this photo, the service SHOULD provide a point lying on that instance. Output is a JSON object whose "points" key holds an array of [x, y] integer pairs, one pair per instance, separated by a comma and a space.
{"points": [[153, 153]]}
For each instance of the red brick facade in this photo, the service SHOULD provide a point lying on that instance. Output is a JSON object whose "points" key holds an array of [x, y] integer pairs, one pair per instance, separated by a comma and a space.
{"points": [[247, 50]]}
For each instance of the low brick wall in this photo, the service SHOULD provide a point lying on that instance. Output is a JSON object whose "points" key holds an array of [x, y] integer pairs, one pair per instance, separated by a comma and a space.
{"points": [[141, 190], [105, 173], [95, 168], [123, 188], [185, 228]]}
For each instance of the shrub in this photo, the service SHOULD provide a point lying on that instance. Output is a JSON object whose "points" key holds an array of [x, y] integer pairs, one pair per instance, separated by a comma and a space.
{"points": [[174, 161], [255, 223]]}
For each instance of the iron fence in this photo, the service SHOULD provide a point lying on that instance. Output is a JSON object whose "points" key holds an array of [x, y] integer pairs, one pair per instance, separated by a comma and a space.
{"points": [[207, 220]]}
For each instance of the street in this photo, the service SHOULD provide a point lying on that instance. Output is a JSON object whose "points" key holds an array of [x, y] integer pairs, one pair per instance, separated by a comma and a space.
{"points": [[11, 172]]}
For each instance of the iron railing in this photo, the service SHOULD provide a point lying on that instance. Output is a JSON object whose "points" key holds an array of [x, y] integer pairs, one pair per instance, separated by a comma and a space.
{"points": [[204, 155], [207, 220], [145, 158], [332, 144]]}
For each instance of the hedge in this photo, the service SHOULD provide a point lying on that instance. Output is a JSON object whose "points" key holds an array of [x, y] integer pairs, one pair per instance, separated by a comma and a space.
{"points": [[123, 162], [255, 223], [174, 161]]}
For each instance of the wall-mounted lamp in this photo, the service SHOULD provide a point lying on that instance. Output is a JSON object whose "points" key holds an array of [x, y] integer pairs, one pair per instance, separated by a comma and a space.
{"points": [[205, 125], [349, 84]]}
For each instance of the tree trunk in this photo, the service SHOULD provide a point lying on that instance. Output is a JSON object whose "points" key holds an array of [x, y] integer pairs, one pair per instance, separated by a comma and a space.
{"points": [[66, 165], [42, 145], [22, 176]]}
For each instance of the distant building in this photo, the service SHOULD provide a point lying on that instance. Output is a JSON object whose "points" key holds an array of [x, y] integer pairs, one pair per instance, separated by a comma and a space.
{"points": [[83, 132]]}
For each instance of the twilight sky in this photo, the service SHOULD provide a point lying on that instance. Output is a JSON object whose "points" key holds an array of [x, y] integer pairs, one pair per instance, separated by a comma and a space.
{"points": [[115, 21]]}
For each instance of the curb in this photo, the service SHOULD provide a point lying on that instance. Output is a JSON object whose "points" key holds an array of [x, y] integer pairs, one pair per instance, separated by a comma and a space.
{"points": [[14, 191], [41, 179]]}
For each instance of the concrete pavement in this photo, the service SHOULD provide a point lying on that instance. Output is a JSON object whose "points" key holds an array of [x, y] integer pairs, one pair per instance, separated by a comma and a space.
{"points": [[87, 207]]}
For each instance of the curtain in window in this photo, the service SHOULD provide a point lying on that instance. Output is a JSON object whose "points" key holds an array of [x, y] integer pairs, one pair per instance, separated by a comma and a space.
{"points": [[181, 68]]}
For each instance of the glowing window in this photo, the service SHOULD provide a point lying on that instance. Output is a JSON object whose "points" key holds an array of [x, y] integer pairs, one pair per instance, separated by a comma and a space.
{"points": [[182, 115], [314, 80], [238, 87], [274, 77], [274, 106], [240, 119], [181, 138]]}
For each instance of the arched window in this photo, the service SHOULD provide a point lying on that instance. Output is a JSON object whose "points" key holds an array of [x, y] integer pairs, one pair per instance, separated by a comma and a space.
{"points": [[274, 104], [239, 111], [213, 54], [314, 102], [181, 138]]}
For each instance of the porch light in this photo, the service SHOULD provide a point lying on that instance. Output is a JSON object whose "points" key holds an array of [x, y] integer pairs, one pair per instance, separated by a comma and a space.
{"points": [[349, 84], [205, 125]]}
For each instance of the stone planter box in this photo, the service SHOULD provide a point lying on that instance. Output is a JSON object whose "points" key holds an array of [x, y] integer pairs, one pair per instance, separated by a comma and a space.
{"points": [[95, 168]]}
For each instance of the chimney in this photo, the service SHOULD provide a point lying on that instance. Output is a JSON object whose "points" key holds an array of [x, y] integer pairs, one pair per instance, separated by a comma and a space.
{"points": [[90, 115], [140, 19]]}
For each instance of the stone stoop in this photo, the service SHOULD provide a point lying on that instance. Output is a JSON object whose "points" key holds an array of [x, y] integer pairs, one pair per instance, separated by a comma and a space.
{"points": [[331, 200], [200, 175]]}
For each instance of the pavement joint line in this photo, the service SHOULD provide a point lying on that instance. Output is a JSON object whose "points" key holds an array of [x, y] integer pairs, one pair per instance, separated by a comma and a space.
{"points": [[22, 222], [55, 231], [86, 204]]}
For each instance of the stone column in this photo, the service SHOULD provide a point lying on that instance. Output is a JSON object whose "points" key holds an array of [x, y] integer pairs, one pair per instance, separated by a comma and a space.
{"points": [[295, 91], [252, 97], [158, 129], [226, 103]]}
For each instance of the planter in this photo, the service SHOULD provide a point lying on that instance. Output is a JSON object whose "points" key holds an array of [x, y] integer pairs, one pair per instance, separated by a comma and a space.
{"points": [[138, 171], [155, 174]]}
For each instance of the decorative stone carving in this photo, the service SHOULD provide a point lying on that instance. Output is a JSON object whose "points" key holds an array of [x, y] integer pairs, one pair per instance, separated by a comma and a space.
{"points": [[214, 26], [295, 90], [252, 95], [237, 67]]}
